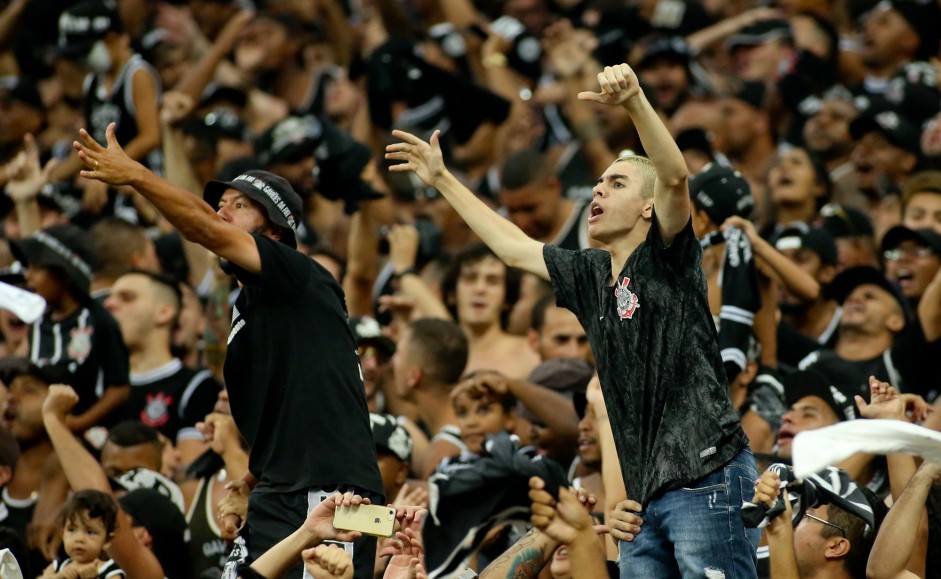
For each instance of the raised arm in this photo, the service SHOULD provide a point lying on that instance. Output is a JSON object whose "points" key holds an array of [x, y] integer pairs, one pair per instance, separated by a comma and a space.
{"points": [[897, 535], [190, 215], [508, 241], [83, 472], [619, 86]]}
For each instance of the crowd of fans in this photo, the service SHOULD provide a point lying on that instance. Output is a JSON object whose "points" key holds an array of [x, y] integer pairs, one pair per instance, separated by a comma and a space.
{"points": [[811, 129]]}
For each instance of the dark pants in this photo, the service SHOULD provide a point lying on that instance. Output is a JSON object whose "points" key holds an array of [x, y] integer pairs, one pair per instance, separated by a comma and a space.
{"points": [[274, 516]]}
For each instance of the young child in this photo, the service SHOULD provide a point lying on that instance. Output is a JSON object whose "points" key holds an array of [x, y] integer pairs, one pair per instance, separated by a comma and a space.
{"points": [[75, 332], [88, 521], [482, 407]]}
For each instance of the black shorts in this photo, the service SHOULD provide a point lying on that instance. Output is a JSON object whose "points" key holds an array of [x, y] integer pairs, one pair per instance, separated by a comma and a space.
{"points": [[273, 516]]}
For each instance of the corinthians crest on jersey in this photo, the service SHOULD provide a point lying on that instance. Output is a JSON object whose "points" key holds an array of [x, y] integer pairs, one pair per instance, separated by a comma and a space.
{"points": [[627, 301]]}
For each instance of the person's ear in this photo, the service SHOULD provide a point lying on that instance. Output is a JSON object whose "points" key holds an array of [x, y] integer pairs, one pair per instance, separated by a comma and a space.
{"points": [[414, 376], [647, 212], [837, 548], [164, 314], [6, 475], [895, 323], [532, 338]]}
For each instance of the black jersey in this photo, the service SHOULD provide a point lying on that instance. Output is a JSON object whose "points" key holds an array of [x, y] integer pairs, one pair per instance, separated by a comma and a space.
{"points": [[107, 570], [103, 107], [574, 233], [172, 399], [16, 514], [293, 377], [207, 549], [88, 342], [655, 346]]}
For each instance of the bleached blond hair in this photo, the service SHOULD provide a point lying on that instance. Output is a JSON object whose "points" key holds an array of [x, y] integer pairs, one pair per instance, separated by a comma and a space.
{"points": [[647, 173]]}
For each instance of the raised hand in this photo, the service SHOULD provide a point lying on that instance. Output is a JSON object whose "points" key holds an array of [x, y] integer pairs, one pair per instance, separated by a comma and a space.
{"points": [[60, 400], [568, 48], [320, 521], [884, 402], [28, 176], [109, 164], [423, 159], [618, 84], [176, 107], [561, 520], [403, 247]]}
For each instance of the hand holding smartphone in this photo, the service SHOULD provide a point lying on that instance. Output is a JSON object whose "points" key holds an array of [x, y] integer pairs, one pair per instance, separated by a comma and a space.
{"points": [[373, 520]]}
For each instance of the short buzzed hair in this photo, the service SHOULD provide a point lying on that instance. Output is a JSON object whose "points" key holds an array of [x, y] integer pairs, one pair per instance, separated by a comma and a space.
{"points": [[116, 242], [523, 168], [647, 172], [166, 291], [440, 348]]}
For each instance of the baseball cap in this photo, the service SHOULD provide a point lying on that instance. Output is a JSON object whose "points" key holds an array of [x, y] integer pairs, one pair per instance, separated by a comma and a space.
{"points": [[368, 331], [390, 436], [924, 17], [761, 32], [721, 192], [21, 89], [290, 139], [845, 221], [850, 279], [274, 193], [926, 237], [84, 24], [673, 47], [66, 247], [813, 383], [816, 239], [144, 478], [564, 375], [899, 131]]}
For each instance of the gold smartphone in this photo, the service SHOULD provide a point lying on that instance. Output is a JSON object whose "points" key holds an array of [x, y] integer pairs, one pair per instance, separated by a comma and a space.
{"points": [[373, 520]]}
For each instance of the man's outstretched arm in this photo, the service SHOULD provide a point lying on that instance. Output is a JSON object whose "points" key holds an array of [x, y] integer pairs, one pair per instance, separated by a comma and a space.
{"points": [[508, 241], [190, 215], [619, 86]]}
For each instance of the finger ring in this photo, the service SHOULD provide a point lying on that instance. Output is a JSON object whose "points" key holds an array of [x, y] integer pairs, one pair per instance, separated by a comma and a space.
{"points": [[96, 163]]}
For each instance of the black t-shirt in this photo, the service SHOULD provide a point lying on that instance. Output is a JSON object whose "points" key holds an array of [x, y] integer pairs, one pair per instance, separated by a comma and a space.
{"points": [[172, 399], [294, 380], [655, 347], [89, 344]]}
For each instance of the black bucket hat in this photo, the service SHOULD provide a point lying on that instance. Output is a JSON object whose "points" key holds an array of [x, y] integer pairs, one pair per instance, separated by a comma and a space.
{"points": [[66, 247], [282, 204]]}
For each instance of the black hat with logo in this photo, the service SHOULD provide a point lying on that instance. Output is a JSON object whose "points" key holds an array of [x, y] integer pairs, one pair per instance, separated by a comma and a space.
{"points": [[282, 204], [721, 192], [84, 24], [65, 247]]}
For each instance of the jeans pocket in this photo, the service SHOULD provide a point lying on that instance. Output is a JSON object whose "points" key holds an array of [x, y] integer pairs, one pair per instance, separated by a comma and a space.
{"points": [[704, 490]]}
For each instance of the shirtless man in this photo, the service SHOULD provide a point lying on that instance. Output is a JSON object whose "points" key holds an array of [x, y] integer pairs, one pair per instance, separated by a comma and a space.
{"points": [[480, 290]]}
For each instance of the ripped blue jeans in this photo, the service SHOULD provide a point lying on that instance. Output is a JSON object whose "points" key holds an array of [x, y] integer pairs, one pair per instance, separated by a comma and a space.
{"points": [[697, 531]]}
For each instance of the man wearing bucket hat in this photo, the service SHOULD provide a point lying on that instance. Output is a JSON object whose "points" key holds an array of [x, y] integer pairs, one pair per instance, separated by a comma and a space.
{"points": [[291, 370], [75, 332]]}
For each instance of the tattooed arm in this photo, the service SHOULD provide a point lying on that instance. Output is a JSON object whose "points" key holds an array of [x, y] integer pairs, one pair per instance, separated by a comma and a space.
{"points": [[524, 560]]}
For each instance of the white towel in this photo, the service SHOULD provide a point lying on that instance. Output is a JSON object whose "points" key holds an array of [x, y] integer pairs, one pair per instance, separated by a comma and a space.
{"points": [[25, 304], [9, 568], [813, 450]]}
